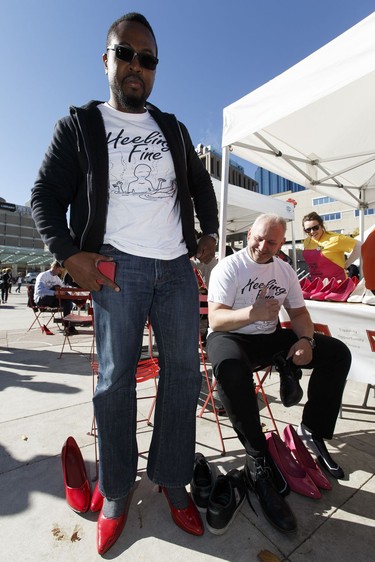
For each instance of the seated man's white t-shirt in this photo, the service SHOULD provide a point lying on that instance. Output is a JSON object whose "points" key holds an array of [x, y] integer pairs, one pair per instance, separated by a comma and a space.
{"points": [[237, 280]]}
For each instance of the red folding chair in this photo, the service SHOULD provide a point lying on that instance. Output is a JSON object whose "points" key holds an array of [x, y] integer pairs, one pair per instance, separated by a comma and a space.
{"points": [[40, 312]]}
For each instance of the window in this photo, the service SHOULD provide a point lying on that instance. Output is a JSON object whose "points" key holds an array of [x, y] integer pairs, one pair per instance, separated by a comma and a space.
{"points": [[331, 217], [322, 201], [370, 211]]}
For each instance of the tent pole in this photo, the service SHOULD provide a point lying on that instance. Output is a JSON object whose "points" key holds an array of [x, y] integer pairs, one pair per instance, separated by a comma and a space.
{"points": [[294, 251], [361, 234], [223, 201]]}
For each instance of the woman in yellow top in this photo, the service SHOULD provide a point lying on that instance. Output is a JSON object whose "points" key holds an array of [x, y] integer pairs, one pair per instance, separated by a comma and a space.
{"points": [[324, 251]]}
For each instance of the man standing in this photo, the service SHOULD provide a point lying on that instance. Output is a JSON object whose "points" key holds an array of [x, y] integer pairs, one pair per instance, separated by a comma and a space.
{"points": [[245, 295], [131, 175]]}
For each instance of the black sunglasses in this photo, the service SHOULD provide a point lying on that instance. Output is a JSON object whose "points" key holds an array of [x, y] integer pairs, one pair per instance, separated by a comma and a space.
{"points": [[128, 54], [312, 228]]}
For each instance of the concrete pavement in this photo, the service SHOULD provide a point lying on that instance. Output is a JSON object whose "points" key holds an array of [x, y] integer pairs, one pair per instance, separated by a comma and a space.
{"points": [[45, 399]]}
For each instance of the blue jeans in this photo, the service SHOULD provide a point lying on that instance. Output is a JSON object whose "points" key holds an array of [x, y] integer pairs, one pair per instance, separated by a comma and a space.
{"points": [[167, 293]]}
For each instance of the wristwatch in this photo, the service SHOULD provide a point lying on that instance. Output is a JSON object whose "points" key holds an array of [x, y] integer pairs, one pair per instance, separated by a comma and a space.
{"points": [[311, 341], [213, 235]]}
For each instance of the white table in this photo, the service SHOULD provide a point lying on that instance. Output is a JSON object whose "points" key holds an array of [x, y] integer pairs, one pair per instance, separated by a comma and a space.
{"points": [[352, 323]]}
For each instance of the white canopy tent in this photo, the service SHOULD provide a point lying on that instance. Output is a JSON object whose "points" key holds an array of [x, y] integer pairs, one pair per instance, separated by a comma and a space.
{"points": [[243, 207], [315, 123]]}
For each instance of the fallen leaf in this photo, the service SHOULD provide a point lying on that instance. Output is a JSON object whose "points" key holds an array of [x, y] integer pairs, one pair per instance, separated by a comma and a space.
{"points": [[267, 556]]}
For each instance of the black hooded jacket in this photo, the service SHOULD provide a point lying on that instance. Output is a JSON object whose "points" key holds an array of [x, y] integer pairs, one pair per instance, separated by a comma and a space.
{"points": [[74, 174]]}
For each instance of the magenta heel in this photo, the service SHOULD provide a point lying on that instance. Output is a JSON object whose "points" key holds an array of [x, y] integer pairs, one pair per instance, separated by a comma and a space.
{"points": [[296, 446], [296, 476]]}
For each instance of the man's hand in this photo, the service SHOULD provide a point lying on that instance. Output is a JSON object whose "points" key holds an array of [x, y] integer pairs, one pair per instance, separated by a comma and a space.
{"points": [[301, 353], [84, 271], [265, 310], [206, 249]]}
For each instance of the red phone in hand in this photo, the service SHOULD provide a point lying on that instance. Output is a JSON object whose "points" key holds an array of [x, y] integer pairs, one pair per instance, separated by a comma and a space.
{"points": [[107, 268]]}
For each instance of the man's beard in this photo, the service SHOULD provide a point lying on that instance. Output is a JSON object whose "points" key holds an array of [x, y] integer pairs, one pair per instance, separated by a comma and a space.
{"points": [[130, 102]]}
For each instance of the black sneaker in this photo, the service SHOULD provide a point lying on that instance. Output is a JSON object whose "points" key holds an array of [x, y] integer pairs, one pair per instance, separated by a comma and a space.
{"points": [[225, 500], [202, 482], [290, 390], [318, 447]]}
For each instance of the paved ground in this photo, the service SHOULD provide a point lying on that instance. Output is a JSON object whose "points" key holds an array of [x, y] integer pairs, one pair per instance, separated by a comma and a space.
{"points": [[45, 399]]}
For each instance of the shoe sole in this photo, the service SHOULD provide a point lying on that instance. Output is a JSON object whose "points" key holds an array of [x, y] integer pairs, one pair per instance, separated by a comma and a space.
{"points": [[223, 530]]}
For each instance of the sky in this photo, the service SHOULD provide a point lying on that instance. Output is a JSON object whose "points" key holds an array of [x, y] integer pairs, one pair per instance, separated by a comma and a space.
{"points": [[211, 52]]}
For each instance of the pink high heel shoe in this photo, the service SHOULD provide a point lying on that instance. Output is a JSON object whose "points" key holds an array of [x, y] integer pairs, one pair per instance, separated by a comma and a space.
{"points": [[314, 286], [342, 292], [332, 285], [302, 455], [299, 481]]}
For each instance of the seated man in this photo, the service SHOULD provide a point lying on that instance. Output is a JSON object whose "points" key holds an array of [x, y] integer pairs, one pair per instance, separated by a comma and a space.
{"points": [[45, 292], [245, 294]]}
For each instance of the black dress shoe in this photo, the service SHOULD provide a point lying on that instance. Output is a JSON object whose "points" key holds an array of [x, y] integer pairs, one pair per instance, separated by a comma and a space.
{"points": [[325, 460], [318, 447], [225, 500], [259, 479], [202, 482], [290, 390]]}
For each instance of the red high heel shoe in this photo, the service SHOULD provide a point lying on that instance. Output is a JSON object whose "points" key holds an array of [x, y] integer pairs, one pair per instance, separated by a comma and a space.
{"points": [[77, 487], [295, 444], [305, 283], [96, 500], [108, 531], [296, 476], [187, 519]]}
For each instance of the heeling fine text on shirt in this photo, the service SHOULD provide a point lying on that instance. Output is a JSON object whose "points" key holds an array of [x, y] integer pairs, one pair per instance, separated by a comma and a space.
{"points": [[271, 285], [141, 145]]}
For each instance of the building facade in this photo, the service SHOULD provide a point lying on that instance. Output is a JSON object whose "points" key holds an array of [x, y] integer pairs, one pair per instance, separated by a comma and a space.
{"points": [[211, 159], [21, 247]]}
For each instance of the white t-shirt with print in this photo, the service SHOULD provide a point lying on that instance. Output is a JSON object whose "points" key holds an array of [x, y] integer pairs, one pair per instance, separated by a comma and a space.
{"points": [[237, 280], [143, 211]]}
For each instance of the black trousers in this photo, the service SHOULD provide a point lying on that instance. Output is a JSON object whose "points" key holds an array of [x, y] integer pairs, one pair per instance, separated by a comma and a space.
{"points": [[53, 302], [234, 357]]}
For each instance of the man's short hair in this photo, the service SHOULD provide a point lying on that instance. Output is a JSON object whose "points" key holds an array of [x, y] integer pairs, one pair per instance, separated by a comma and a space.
{"points": [[55, 263], [131, 16], [271, 218]]}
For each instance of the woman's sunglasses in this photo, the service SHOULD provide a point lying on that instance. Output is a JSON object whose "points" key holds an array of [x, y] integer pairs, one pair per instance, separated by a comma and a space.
{"points": [[128, 54], [312, 228]]}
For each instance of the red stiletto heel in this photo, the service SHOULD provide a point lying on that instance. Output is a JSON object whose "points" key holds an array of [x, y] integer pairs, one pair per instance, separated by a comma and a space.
{"points": [[108, 531], [187, 519], [77, 488], [96, 500]]}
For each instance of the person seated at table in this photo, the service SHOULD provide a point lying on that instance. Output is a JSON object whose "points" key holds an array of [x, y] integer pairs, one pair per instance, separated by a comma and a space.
{"points": [[324, 251], [245, 295], [45, 293]]}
